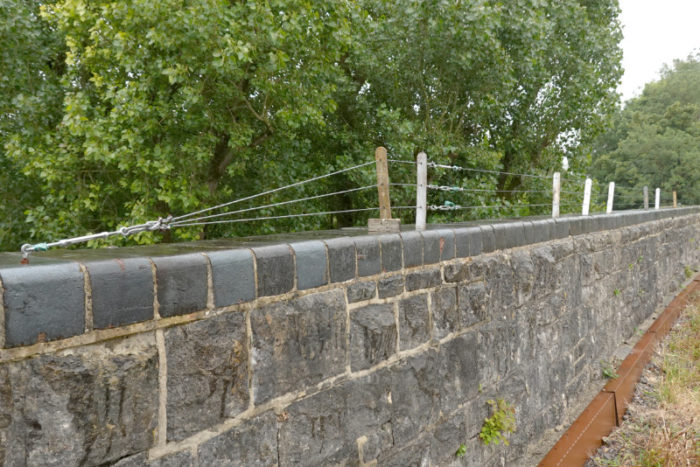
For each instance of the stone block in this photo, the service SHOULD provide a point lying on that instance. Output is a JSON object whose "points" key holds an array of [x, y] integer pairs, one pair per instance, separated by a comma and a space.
{"points": [[181, 284], [472, 304], [233, 276], [122, 291], [543, 230], [500, 236], [207, 373], [360, 291], [458, 371], [341, 259], [431, 246], [446, 317], [175, 459], [528, 233], [390, 286], [90, 405], [415, 396], [423, 279], [372, 335], [412, 249], [447, 244], [488, 240], [254, 442], [275, 269], [475, 241], [414, 321], [297, 343], [311, 264], [562, 227], [577, 226], [43, 303], [368, 256], [461, 243], [392, 256]]}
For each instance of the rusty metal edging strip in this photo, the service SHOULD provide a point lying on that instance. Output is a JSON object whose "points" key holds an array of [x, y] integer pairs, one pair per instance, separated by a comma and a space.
{"points": [[601, 416]]}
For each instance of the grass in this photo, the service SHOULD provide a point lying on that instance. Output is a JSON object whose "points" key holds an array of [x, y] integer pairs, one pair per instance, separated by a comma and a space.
{"points": [[663, 426]]}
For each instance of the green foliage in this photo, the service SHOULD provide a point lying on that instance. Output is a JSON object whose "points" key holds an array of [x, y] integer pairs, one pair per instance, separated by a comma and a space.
{"points": [[655, 140], [461, 450], [688, 272], [121, 112], [608, 369], [499, 424], [616, 292]]}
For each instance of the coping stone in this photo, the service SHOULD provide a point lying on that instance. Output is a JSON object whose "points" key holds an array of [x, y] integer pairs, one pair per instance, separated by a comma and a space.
{"points": [[561, 228], [392, 259], [412, 248], [122, 291], [311, 264], [275, 269], [461, 243], [368, 255], [341, 259], [43, 303], [475, 241], [543, 230], [181, 283], [431, 246], [528, 233], [488, 239], [233, 276], [447, 244]]}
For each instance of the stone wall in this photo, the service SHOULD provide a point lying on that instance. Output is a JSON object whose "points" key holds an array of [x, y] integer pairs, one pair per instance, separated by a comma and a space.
{"points": [[346, 351]]}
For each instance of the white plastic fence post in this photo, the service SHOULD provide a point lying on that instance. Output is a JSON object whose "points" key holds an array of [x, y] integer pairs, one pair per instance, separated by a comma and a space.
{"points": [[422, 190], [586, 197], [646, 197], [657, 198], [611, 195], [556, 193]]}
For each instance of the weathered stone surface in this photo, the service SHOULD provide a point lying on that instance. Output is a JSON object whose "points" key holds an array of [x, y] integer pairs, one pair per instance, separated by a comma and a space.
{"points": [[341, 259], [275, 269], [207, 373], [415, 396], [392, 255], [412, 248], [84, 406], [458, 374], [360, 291], [43, 303], [252, 443], [488, 240], [176, 459], [456, 272], [297, 343], [368, 256], [473, 304], [414, 321], [423, 279], [446, 317], [181, 283], [233, 276], [311, 264], [447, 244], [122, 291], [431, 246], [373, 335], [390, 286]]}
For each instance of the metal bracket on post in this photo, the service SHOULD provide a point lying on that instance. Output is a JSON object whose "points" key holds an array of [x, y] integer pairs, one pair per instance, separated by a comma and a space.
{"points": [[556, 194], [586, 197], [611, 197], [421, 190], [385, 223], [657, 198], [646, 197]]}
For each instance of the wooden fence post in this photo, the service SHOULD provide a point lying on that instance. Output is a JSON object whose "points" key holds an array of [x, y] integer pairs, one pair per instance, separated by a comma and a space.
{"points": [[421, 190], [586, 197], [675, 200], [385, 223], [611, 197], [556, 194], [646, 197]]}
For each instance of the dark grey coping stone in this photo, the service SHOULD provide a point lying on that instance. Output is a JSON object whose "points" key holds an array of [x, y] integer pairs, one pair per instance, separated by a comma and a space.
{"points": [[341, 259], [412, 249], [311, 264], [392, 255], [431, 246], [275, 269], [122, 291], [233, 276], [181, 284], [43, 303], [368, 256], [488, 239]]}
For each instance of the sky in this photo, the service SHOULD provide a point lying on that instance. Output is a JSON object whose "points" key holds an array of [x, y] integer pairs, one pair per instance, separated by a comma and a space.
{"points": [[655, 32]]}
